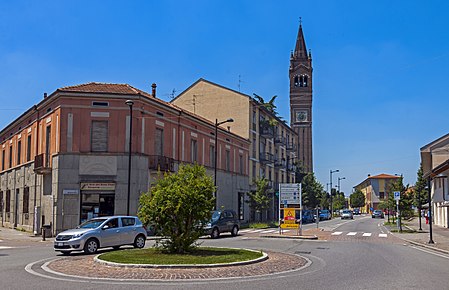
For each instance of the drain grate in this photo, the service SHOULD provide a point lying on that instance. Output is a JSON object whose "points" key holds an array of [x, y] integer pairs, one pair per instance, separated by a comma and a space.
{"points": [[321, 248]]}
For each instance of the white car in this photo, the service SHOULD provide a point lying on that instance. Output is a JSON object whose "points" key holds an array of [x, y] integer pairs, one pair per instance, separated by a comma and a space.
{"points": [[102, 232], [347, 214]]}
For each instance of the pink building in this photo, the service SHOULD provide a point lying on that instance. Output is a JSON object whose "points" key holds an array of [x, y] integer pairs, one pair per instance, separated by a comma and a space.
{"points": [[66, 159]]}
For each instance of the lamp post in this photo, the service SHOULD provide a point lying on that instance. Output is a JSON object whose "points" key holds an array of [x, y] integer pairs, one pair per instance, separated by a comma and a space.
{"points": [[340, 178], [230, 120], [130, 103], [330, 190]]}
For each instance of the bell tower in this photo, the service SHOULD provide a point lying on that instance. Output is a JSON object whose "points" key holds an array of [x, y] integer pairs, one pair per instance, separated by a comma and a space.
{"points": [[300, 74]]}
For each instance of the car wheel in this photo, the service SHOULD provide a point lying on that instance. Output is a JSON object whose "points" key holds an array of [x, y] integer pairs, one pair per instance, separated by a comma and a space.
{"points": [[116, 247], [235, 231], [66, 253], [91, 246], [215, 233], [139, 242]]}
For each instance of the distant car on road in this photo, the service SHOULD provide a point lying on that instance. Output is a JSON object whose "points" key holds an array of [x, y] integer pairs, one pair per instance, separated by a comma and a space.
{"points": [[377, 214], [356, 211], [325, 214], [347, 214], [102, 232], [222, 221]]}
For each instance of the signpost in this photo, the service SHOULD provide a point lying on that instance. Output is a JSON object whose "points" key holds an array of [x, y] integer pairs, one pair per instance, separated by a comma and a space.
{"points": [[289, 201], [397, 197]]}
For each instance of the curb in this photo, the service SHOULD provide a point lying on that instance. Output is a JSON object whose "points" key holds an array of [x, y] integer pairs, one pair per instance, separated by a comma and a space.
{"points": [[184, 266], [314, 237]]}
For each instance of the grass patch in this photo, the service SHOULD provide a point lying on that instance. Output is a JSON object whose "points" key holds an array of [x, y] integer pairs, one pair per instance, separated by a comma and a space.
{"points": [[262, 225], [203, 255], [404, 231]]}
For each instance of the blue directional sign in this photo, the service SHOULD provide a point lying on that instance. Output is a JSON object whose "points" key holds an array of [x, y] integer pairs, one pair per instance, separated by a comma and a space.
{"points": [[397, 195]]}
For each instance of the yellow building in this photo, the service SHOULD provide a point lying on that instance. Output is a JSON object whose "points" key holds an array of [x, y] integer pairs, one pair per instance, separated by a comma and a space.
{"points": [[376, 189]]}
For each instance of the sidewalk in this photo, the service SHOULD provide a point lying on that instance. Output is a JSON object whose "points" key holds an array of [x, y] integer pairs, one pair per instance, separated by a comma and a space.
{"points": [[12, 237], [440, 235]]}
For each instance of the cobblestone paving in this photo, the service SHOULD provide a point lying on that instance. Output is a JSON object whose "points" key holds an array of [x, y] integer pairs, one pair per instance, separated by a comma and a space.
{"points": [[86, 267]]}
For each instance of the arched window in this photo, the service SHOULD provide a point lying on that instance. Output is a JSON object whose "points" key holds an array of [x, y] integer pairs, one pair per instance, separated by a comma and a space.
{"points": [[296, 81], [305, 80], [301, 80]]}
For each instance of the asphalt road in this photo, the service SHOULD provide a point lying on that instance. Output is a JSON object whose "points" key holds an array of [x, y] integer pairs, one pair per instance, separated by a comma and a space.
{"points": [[344, 261]]}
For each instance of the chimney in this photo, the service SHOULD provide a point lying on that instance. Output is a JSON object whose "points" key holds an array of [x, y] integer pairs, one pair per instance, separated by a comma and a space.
{"points": [[45, 95], [153, 90]]}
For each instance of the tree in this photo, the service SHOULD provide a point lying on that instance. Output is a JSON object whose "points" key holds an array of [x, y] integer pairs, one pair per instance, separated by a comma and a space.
{"points": [[312, 191], [178, 206], [339, 201], [357, 199], [259, 200], [420, 189]]}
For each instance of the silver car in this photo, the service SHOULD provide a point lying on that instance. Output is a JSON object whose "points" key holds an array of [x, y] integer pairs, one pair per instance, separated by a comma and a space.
{"points": [[347, 214], [102, 232]]}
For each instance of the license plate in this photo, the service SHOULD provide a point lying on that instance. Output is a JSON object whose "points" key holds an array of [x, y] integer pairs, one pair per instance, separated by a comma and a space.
{"points": [[60, 244]]}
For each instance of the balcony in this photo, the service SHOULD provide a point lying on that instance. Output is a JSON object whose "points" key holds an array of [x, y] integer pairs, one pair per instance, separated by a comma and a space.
{"points": [[290, 146], [161, 163], [42, 164], [280, 163], [266, 158], [279, 139], [266, 130]]}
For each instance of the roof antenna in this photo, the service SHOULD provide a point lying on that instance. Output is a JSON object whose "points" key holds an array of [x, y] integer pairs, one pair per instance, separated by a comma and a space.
{"points": [[240, 82], [300, 20]]}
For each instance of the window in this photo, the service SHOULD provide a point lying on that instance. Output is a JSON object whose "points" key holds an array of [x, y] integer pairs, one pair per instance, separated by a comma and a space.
{"points": [[254, 147], [254, 120], [127, 222], [113, 223], [228, 160], [8, 201], [3, 160], [29, 148], [193, 150], [254, 171], [99, 136], [1, 202], [100, 104], [159, 142], [19, 152], [10, 156], [212, 155], [241, 164], [47, 146], [241, 205], [26, 200]]}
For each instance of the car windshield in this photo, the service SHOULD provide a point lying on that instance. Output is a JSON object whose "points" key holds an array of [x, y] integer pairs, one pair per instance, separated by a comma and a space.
{"points": [[215, 215], [377, 211], [346, 211], [91, 224]]}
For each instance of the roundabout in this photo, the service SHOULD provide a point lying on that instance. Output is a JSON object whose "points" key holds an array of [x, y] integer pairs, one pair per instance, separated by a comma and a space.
{"points": [[83, 267]]}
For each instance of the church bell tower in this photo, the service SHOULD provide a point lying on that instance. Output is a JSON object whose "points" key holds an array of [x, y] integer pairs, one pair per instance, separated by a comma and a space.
{"points": [[300, 74]]}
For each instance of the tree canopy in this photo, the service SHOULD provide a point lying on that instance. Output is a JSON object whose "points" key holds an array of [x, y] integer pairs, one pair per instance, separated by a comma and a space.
{"points": [[259, 200], [177, 206], [357, 199]]}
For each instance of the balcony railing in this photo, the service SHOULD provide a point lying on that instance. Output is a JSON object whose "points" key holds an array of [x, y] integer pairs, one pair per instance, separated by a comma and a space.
{"points": [[266, 157], [42, 164], [290, 146], [279, 139], [266, 130], [161, 163], [280, 163]]}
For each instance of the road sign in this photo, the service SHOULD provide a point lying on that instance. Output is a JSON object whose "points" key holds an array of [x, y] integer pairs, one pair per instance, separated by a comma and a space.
{"points": [[289, 215], [289, 226], [397, 195], [289, 193]]}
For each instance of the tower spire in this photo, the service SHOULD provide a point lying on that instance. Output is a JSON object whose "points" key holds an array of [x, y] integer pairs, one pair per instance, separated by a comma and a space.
{"points": [[300, 48]]}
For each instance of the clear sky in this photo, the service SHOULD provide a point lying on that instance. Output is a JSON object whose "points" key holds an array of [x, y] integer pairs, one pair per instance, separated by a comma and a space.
{"points": [[381, 68]]}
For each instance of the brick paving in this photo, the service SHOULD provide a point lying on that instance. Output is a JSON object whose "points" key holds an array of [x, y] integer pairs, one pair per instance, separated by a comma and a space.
{"points": [[85, 266]]}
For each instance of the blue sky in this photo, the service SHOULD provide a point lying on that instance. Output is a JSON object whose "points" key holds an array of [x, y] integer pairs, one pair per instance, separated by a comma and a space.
{"points": [[381, 68]]}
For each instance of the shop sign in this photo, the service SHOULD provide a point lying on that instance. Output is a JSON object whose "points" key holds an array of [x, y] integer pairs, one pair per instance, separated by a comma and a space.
{"points": [[98, 186]]}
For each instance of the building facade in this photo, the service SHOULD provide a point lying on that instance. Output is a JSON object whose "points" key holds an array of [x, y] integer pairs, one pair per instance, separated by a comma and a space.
{"points": [[66, 159], [273, 143], [435, 163], [376, 190], [300, 75]]}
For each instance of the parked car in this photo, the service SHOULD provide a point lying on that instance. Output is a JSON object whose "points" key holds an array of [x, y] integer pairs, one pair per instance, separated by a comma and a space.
{"points": [[377, 214], [347, 214], [222, 221], [102, 232], [325, 214], [307, 216]]}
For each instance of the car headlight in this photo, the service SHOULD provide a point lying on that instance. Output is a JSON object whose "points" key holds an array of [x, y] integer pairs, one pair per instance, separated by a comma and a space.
{"points": [[76, 236], [208, 226]]}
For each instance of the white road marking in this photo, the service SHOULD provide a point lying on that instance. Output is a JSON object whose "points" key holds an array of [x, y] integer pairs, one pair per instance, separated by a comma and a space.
{"points": [[245, 231], [383, 235], [352, 234], [285, 231], [366, 235], [256, 231], [268, 231], [430, 252], [4, 247], [336, 233]]}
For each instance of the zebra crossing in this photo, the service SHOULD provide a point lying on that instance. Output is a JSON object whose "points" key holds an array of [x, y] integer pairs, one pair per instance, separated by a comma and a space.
{"points": [[357, 234], [261, 231]]}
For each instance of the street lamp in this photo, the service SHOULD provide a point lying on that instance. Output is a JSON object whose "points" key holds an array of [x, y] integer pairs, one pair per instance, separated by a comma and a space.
{"points": [[332, 171], [230, 120], [340, 178], [130, 103]]}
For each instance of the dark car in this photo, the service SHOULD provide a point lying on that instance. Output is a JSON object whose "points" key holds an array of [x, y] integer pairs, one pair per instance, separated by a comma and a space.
{"points": [[325, 214], [222, 221], [307, 216], [377, 214], [356, 211]]}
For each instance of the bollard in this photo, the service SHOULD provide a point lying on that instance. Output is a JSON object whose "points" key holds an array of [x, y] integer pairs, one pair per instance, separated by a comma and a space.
{"points": [[43, 233]]}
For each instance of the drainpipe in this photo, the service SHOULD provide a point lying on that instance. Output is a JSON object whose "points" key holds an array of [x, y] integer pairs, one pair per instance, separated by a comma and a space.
{"points": [[35, 174]]}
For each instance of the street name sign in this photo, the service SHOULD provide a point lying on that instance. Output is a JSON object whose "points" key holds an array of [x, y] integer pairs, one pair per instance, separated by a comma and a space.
{"points": [[289, 193]]}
